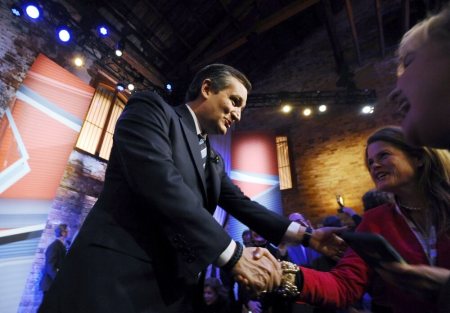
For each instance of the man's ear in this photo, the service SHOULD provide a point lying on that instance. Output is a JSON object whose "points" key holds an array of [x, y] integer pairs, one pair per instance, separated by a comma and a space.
{"points": [[206, 88]]}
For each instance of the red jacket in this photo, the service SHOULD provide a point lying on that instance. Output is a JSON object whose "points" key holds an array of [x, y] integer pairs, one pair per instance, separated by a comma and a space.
{"points": [[347, 282]]}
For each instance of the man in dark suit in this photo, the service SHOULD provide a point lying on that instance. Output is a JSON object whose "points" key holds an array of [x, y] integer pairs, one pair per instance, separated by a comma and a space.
{"points": [[54, 255], [151, 233]]}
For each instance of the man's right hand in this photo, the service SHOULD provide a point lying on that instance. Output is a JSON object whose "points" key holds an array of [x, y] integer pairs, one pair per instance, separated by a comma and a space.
{"points": [[257, 270]]}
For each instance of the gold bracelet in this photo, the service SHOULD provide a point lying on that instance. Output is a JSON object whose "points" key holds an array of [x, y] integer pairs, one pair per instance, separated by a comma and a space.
{"points": [[288, 287]]}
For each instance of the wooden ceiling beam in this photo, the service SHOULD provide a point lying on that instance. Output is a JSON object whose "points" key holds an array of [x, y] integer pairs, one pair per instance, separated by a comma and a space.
{"points": [[137, 29], [380, 27], [260, 27], [351, 20], [204, 43], [169, 24], [331, 30]]}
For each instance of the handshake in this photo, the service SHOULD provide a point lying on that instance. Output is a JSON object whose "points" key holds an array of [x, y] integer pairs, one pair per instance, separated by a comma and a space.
{"points": [[260, 272]]}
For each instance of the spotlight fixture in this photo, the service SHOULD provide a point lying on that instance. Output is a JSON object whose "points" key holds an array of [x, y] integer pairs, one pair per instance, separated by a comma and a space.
{"points": [[286, 108], [322, 108], [169, 87], [367, 109], [16, 10], [78, 61], [64, 34], [102, 31], [32, 11], [307, 112], [130, 87], [120, 87], [120, 46]]}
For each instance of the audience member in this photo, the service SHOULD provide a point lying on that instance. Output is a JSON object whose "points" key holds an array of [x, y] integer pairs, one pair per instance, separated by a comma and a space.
{"points": [[54, 256], [214, 297], [416, 225], [354, 220], [374, 198], [423, 100]]}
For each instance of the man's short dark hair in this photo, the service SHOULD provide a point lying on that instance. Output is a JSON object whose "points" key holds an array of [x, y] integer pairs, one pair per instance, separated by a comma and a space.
{"points": [[220, 75], [59, 229]]}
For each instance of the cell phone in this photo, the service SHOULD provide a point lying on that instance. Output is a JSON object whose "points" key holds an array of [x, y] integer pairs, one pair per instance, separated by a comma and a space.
{"points": [[374, 249], [340, 202]]}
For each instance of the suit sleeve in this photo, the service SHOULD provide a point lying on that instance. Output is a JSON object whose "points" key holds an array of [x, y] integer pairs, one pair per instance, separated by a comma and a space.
{"points": [[52, 256], [143, 144], [270, 225]]}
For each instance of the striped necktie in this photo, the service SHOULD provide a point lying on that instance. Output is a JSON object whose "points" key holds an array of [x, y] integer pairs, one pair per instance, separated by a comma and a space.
{"points": [[203, 149]]}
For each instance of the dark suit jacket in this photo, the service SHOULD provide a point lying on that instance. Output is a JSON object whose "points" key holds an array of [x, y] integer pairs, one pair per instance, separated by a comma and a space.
{"points": [[151, 231], [54, 255]]}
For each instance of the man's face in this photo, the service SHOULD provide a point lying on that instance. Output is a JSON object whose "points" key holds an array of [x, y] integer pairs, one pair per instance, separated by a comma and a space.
{"points": [[220, 110], [423, 95]]}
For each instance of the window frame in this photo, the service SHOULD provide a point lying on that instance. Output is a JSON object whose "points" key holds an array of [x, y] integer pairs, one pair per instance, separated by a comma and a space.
{"points": [[116, 95]]}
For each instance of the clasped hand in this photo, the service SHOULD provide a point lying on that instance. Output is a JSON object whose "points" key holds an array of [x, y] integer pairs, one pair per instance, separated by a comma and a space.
{"points": [[257, 270]]}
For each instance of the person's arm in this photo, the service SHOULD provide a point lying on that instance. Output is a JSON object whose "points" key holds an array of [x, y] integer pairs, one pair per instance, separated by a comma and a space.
{"points": [[52, 260], [355, 217], [272, 226], [421, 280]]}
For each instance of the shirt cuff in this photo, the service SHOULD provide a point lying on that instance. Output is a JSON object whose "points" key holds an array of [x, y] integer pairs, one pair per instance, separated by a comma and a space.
{"points": [[226, 254], [292, 234]]}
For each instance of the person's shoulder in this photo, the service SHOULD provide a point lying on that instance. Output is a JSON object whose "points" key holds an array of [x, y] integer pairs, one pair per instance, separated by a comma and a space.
{"points": [[376, 218], [55, 243], [147, 97], [148, 102], [379, 211]]}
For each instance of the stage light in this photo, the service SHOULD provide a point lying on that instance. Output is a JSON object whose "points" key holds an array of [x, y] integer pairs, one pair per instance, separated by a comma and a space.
{"points": [[286, 108], [322, 108], [64, 34], [367, 109], [130, 87], [78, 61], [16, 10], [169, 87], [120, 87], [102, 31], [32, 11], [307, 112], [120, 46]]}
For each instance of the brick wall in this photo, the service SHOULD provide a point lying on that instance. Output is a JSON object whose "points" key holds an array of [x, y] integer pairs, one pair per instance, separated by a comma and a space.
{"points": [[79, 189], [327, 150]]}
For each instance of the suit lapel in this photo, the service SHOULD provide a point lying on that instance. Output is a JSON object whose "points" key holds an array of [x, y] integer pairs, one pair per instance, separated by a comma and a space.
{"points": [[188, 127], [214, 178]]}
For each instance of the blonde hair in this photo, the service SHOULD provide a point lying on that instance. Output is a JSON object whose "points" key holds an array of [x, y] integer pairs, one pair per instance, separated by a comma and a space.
{"points": [[435, 27]]}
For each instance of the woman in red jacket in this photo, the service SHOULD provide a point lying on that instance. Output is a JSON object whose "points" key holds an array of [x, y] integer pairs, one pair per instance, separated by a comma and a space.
{"points": [[417, 225]]}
